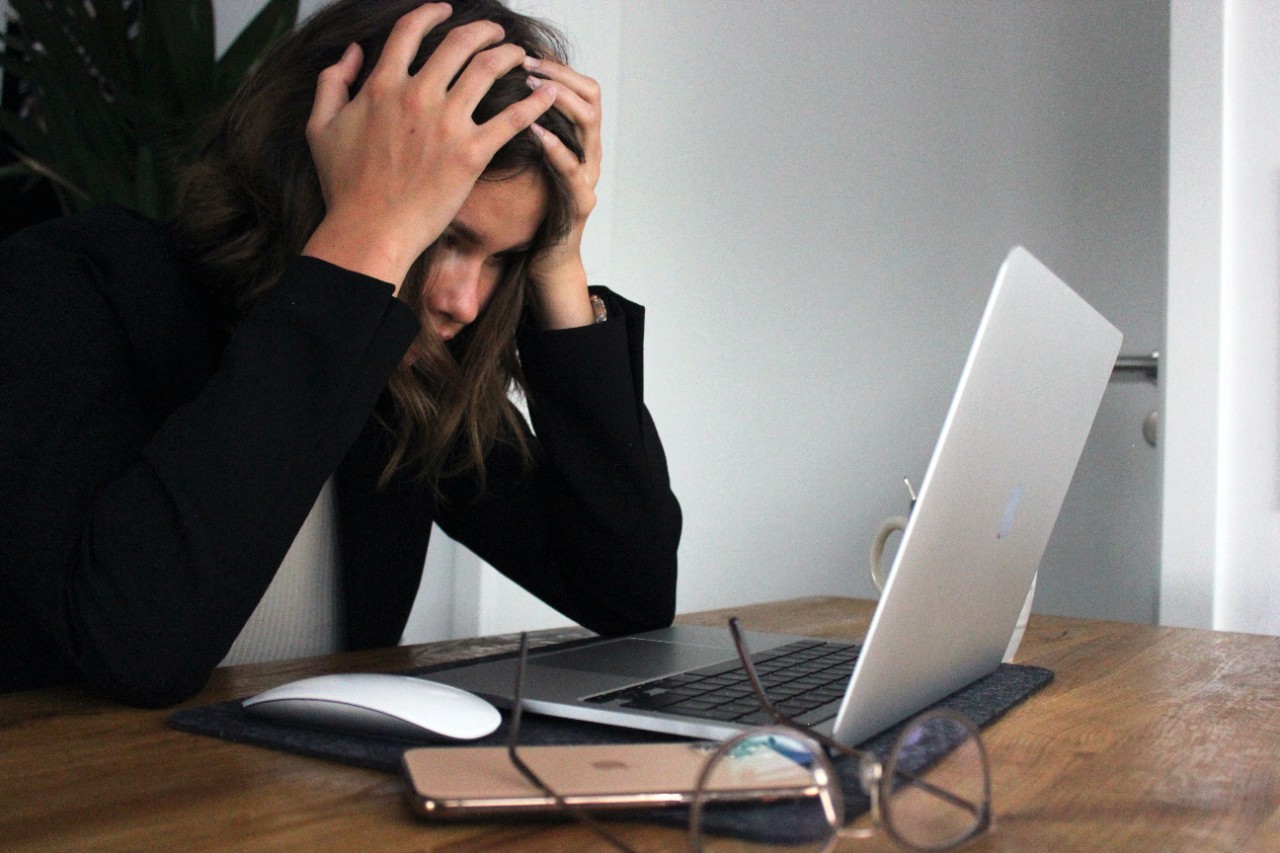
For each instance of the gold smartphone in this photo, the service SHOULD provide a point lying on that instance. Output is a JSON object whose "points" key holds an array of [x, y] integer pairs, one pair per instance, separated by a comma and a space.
{"points": [[458, 782]]}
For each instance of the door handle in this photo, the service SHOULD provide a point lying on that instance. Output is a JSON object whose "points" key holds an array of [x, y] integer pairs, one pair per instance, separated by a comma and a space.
{"points": [[1148, 365]]}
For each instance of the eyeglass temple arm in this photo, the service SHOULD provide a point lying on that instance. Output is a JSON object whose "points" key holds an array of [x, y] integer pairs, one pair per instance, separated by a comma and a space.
{"points": [[517, 708], [941, 793], [744, 654], [513, 740]]}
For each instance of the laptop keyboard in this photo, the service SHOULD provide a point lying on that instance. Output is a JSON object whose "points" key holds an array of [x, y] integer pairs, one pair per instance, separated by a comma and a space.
{"points": [[799, 678]]}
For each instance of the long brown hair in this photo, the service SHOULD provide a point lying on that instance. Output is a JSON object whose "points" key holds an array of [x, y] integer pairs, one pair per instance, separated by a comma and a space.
{"points": [[252, 199]]}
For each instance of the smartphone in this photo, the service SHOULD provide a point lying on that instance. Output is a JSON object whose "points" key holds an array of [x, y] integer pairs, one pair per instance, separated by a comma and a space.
{"points": [[462, 782]]}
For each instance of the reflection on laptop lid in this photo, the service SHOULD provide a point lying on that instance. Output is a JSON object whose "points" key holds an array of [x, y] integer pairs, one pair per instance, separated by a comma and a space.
{"points": [[1017, 425]]}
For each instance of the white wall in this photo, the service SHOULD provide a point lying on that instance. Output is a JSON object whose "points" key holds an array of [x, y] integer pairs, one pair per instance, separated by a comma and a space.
{"points": [[1222, 548], [1192, 361], [1249, 571], [811, 200]]}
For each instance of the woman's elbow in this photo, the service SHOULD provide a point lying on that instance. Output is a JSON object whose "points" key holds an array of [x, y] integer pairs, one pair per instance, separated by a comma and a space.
{"points": [[646, 603]]}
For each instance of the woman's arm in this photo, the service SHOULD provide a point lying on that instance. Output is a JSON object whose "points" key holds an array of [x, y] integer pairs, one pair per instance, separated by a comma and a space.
{"points": [[152, 480], [593, 528]]}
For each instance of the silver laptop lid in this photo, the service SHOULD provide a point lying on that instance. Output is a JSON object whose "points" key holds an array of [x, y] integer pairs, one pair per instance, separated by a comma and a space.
{"points": [[1017, 425]]}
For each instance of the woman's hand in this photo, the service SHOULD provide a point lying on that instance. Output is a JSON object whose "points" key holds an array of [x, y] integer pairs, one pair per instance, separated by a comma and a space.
{"points": [[397, 161], [560, 279]]}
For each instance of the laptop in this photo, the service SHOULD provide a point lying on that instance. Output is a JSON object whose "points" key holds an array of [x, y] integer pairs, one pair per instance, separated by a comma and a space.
{"points": [[1018, 422]]}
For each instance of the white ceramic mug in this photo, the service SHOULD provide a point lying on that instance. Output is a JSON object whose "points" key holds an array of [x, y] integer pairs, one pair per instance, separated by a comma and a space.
{"points": [[888, 527], [891, 526]]}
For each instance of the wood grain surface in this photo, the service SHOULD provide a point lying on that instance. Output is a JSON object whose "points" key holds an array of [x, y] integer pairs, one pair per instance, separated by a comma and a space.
{"points": [[1149, 739]]}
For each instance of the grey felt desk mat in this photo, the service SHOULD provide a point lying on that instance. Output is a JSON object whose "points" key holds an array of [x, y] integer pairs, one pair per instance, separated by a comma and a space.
{"points": [[983, 702]]}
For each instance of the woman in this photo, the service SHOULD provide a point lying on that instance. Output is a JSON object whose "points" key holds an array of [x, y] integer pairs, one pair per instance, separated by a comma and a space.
{"points": [[381, 238]]}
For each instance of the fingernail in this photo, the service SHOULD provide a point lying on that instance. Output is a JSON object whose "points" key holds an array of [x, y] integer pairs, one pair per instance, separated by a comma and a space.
{"points": [[533, 82], [531, 63]]}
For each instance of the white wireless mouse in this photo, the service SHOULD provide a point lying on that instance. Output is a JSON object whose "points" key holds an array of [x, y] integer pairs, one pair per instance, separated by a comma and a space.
{"points": [[382, 705]]}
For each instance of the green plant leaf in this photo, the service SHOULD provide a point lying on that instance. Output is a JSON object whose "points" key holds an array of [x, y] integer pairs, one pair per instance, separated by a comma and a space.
{"points": [[70, 105], [111, 103], [87, 134], [15, 45], [12, 63], [178, 36], [61, 69], [25, 137], [103, 34], [13, 171], [40, 26], [275, 19], [36, 167], [148, 197]]}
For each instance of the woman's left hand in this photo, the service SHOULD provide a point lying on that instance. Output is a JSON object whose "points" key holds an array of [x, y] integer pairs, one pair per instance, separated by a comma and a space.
{"points": [[558, 274]]}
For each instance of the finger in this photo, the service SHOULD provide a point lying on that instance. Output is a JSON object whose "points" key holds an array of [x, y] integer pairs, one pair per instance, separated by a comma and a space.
{"points": [[584, 117], [562, 159], [580, 84], [333, 87], [582, 113], [485, 68], [499, 130], [406, 37], [455, 52], [579, 100]]}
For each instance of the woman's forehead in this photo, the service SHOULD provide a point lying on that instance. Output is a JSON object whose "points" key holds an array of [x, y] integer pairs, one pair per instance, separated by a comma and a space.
{"points": [[504, 214]]}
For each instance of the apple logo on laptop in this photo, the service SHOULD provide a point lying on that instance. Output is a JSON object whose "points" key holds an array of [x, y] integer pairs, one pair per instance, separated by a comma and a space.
{"points": [[1007, 518]]}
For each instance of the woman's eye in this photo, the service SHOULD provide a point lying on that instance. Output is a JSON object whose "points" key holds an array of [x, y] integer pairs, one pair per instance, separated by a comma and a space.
{"points": [[511, 259]]}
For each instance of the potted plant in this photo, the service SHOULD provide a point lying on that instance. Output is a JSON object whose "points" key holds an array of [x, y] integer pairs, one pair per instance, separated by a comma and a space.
{"points": [[112, 92]]}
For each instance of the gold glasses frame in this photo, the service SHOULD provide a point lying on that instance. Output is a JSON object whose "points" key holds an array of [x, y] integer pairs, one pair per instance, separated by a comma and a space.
{"points": [[877, 779]]}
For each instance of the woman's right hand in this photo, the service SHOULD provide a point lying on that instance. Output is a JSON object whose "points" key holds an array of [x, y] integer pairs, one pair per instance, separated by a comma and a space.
{"points": [[398, 160]]}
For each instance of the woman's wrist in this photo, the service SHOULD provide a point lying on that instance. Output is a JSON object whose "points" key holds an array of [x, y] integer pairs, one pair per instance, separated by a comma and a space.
{"points": [[560, 298], [372, 255]]}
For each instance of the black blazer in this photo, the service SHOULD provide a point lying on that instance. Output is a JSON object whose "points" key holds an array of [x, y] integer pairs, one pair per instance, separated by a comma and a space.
{"points": [[154, 469]]}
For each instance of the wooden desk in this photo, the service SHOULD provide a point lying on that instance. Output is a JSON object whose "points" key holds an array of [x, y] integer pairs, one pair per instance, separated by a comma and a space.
{"points": [[1149, 739]]}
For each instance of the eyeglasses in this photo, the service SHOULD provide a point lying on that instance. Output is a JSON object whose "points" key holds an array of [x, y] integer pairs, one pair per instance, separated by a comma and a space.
{"points": [[932, 793]]}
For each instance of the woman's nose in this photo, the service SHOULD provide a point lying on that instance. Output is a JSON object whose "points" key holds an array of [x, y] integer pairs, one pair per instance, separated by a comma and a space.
{"points": [[457, 292]]}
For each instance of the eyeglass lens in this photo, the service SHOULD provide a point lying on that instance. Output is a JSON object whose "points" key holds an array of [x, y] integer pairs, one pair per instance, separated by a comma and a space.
{"points": [[770, 789], [927, 802], [935, 791]]}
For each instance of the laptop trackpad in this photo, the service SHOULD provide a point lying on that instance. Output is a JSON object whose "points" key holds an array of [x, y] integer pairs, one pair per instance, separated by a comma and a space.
{"points": [[636, 658]]}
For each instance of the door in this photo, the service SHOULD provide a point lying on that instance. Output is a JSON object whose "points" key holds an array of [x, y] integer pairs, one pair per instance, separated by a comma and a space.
{"points": [[1103, 560]]}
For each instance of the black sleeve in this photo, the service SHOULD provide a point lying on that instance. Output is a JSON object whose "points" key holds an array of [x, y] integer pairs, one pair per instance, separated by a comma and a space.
{"points": [[141, 544], [592, 528]]}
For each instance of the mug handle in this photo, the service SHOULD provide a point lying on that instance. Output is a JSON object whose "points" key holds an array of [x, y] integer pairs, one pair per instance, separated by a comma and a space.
{"points": [[889, 527]]}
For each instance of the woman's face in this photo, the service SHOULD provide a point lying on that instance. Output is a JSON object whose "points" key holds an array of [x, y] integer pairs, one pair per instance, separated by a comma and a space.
{"points": [[497, 222]]}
